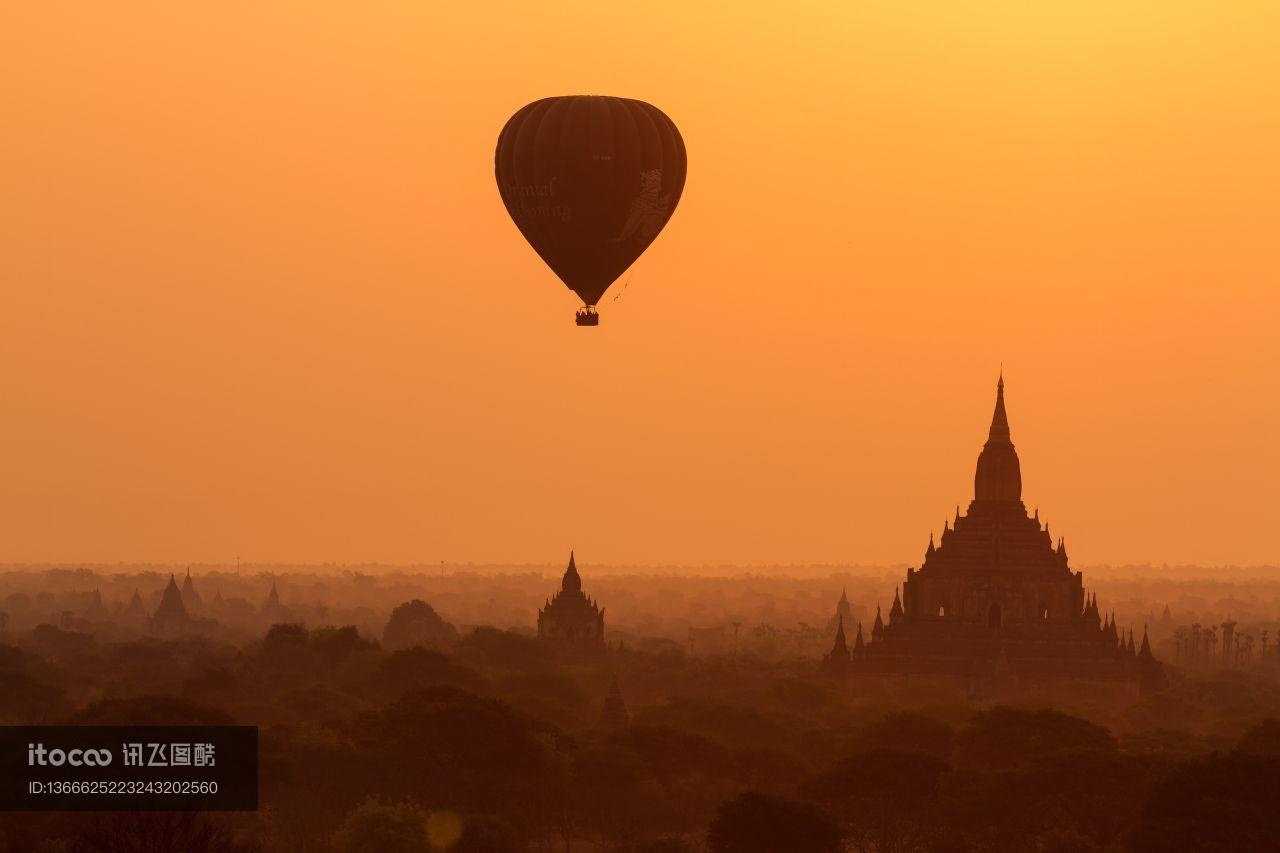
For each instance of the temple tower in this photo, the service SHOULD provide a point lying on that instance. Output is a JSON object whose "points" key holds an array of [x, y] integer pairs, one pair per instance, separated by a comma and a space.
{"points": [[170, 615], [571, 618]]}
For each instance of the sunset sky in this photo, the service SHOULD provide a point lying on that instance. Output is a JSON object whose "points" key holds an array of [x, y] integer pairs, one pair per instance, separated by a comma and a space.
{"points": [[259, 295]]}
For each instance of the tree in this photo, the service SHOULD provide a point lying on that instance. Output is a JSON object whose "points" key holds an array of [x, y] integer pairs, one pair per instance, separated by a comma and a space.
{"points": [[666, 844], [1262, 739], [883, 796], [1225, 802], [908, 732], [1006, 738], [149, 711], [761, 823], [156, 832], [378, 827], [489, 834], [415, 623], [418, 669]]}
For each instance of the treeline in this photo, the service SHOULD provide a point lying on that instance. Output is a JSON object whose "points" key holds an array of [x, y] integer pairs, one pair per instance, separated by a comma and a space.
{"points": [[485, 740]]}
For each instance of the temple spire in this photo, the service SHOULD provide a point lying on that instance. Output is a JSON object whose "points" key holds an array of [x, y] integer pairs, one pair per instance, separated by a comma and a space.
{"points": [[572, 580], [999, 418], [999, 476]]}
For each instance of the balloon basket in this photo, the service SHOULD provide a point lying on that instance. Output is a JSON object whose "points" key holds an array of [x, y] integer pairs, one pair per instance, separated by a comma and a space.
{"points": [[587, 317]]}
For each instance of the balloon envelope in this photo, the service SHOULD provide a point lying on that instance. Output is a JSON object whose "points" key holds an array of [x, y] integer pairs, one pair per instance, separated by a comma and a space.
{"points": [[590, 181]]}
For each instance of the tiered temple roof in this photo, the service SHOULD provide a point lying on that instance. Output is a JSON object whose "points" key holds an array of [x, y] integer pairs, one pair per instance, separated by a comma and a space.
{"points": [[995, 596], [571, 618]]}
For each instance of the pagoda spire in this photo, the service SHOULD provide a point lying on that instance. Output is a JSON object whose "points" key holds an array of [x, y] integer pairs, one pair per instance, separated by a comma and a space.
{"points": [[572, 580], [840, 646], [1145, 651], [858, 644], [896, 611], [998, 478], [999, 418]]}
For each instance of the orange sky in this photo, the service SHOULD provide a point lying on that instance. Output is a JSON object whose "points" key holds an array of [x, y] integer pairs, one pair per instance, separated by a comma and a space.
{"points": [[260, 296]]}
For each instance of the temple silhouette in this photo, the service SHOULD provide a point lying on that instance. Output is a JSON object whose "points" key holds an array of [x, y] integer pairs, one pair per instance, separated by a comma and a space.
{"points": [[995, 603], [571, 619], [171, 616]]}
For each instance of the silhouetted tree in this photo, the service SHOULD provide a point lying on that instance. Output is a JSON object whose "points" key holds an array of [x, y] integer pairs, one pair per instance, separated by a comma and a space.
{"points": [[669, 753], [415, 623], [335, 645], [149, 711], [1003, 738], [666, 844], [506, 650], [489, 834], [1225, 802], [883, 797], [761, 823], [378, 827], [907, 732], [154, 832], [417, 669], [1262, 739]]}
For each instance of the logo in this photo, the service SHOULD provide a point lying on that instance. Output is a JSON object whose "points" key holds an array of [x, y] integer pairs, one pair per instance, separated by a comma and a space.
{"points": [[649, 211], [38, 756]]}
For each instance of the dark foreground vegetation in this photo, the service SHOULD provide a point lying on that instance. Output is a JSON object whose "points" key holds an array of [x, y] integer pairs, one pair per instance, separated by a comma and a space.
{"points": [[487, 740]]}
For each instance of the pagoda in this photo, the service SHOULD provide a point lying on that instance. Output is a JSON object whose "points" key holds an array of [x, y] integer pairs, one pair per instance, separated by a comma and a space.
{"points": [[614, 715], [171, 616], [843, 614], [995, 598], [272, 609], [835, 664], [571, 618], [136, 611], [190, 598]]}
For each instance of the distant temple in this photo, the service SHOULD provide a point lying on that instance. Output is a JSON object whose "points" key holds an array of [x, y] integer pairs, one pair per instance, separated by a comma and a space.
{"points": [[843, 614], [170, 615], [272, 608], [136, 611], [995, 601], [95, 610], [571, 618], [190, 598], [614, 715], [836, 662]]}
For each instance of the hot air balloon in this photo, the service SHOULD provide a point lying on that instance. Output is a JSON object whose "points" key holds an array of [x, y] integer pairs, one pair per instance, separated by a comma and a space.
{"points": [[590, 182]]}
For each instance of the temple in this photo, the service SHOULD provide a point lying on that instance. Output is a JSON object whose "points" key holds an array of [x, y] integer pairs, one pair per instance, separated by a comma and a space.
{"points": [[272, 609], [614, 715], [843, 614], [995, 600], [571, 618], [170, 616], [190, 598]]}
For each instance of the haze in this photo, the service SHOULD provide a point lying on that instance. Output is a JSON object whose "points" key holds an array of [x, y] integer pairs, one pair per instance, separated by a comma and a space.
{"points": [[260, 297]]}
